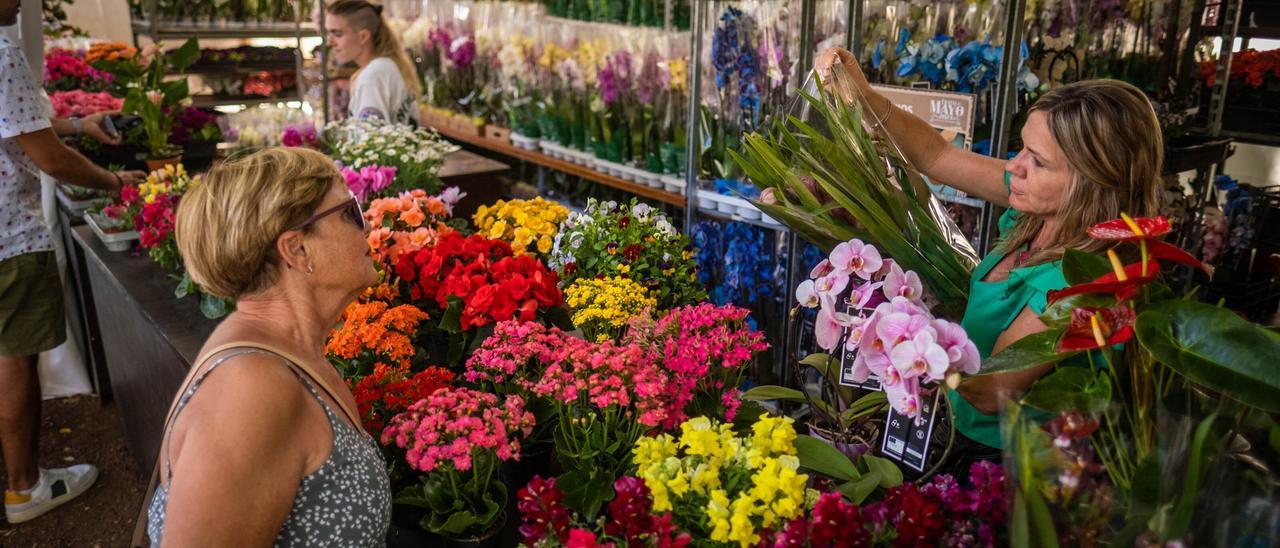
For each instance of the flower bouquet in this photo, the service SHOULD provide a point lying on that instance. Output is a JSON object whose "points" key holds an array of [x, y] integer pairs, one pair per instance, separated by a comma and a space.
{"points": [[455, 437], [1172, 395], [633, 241], [473, 282], [530, 226], [416, 154], [602, 307], [401, 224]]}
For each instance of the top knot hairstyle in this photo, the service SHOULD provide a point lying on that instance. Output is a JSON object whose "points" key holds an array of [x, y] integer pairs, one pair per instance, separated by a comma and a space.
{"points": [[365, 15]]}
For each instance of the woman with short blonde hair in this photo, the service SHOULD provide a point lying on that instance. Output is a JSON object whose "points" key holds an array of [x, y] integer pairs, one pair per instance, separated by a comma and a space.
{"points": [[263, 444], [1091, 151]]}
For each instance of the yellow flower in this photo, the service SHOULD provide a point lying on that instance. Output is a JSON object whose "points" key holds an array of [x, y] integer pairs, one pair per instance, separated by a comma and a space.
{"points": [[774, 436], [544, 244], [498, 230], [718, 513], [742, 530], [698, 437], [652, 450]]}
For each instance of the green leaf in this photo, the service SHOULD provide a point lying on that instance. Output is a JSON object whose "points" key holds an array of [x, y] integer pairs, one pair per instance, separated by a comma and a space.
{"points": [[890, 474], [821, 457], [587, 492], [213, 307], [1181, 520], [1058, 314], [1215, 348], [772, 392], [451, 320], [1079, 267], [859, 489], [1071, 388], [1031, 351], [1041, 520], [453, 524], [185, 55]]}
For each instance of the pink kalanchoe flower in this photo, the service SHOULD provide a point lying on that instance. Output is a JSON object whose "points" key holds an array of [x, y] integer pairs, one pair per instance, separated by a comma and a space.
{"points": [[855, 257], [903, 284], [920, 356]]}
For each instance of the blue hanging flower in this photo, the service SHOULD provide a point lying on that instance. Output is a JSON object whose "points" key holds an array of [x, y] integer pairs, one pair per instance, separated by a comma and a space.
{"points": [[1027, 80], [904, 35], [877, 58], [724, 47]]}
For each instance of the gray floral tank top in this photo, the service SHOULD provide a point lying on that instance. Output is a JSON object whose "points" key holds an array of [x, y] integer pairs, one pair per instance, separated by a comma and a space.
{"points": [[347, 502]]}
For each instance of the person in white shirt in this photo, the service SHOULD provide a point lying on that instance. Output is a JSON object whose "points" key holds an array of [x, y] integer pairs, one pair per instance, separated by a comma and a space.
{"points": [[386, 86], [31, 314]]}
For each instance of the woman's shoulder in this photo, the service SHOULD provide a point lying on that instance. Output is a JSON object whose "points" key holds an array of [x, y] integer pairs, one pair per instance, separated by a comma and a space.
{"points": [[381, 67]]}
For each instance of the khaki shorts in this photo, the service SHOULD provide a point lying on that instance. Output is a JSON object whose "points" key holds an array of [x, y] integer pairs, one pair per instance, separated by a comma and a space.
{"points": [[31, 315]]}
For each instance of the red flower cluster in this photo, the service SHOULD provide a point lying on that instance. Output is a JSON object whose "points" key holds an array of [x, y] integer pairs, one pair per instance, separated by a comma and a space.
{"points": [[630, 518], [1249, 66], [391, 389], [154, 222], [493, 284]]}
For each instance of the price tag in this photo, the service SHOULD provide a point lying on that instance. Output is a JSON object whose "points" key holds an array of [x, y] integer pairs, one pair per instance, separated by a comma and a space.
{"points": [[907, 440], [846, 373], [806, 341]]}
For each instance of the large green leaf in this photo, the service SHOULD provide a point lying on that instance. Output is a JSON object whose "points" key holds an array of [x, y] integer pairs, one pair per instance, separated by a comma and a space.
{"points": [[890, 474], [1215, 348], [186, 55], [772, 392], [1080, 267], [1030, 351], [586, 492], [1071, 388], [821, 457], [859, 489], [1058, 314]]}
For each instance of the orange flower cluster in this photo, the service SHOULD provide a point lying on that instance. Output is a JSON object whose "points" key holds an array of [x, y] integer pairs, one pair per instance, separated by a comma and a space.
{"points": [[404, 224], [377, 329], [110, 51]]}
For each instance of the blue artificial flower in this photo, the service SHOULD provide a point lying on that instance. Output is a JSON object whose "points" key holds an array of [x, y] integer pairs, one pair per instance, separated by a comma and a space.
{"points": [[877, 58], [903, 36], [1027, 80]]}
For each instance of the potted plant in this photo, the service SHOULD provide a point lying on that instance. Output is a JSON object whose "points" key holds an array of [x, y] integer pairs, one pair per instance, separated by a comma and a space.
{"points": [[113, 223], [141, 81], [456, 438]]}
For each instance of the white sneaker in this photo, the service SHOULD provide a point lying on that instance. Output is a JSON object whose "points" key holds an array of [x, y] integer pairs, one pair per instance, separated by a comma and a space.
{"points": [[56, 486]]}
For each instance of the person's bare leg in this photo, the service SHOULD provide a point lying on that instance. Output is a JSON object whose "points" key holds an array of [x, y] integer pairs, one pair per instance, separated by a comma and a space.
{"points": [[20, 420]]}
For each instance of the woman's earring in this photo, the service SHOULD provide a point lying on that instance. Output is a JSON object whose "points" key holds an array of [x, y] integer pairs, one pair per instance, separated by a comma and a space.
{"points": [[310, 270]]}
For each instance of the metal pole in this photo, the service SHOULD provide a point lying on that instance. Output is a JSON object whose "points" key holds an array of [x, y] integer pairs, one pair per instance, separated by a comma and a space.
{"points": [[695, 97], [1005, 100], [808, 22], [853, 27], [324, 64], [668, 15], [1218, 100]]}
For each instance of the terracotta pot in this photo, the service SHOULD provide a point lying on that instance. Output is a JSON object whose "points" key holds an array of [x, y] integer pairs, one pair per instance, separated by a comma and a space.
{"points": [[153, 165]]}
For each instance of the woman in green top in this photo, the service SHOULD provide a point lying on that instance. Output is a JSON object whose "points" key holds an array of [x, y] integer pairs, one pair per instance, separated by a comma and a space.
{"points": [[1091, 150]]}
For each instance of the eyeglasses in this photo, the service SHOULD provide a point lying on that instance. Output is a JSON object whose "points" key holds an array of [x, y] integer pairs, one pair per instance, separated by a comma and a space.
{"points": [[350, 209]]}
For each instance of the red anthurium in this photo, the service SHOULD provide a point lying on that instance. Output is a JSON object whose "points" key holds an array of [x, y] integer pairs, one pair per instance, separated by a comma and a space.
{"points": [[1135, 276], [1092, 328], [1127, 229], [1159, 250]]}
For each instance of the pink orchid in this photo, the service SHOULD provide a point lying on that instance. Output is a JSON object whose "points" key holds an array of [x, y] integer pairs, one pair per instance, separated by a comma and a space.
{"points": [[961, 352], [920, 356], [855, 257], [903, 284], [863, 295], [904, 397], [806, 294], [830, 287], [822, 269], [828, 328]]}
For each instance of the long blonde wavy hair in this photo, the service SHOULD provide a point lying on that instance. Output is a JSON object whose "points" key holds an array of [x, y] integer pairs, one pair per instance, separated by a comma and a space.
{"points": [[1109, 134], [364, 15]]}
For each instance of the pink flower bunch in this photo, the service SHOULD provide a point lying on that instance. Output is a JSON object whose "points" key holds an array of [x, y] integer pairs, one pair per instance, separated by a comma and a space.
{"points": [[705, 348], [510, 354], [574, 370], [445, 428], [368, 180], [899, 341], [67, 70], [78, 102], [608, 375]]}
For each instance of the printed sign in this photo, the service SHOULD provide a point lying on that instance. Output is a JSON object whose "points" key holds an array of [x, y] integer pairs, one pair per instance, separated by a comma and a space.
{"points": [[846, 364], [907, 440], [946, 111]]}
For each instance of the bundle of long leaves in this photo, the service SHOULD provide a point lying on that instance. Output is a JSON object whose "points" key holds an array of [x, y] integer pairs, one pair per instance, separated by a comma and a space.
{"points": [[832, 180]]}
